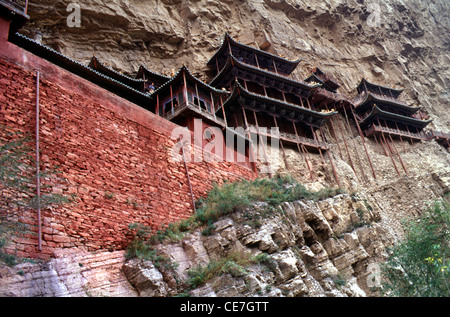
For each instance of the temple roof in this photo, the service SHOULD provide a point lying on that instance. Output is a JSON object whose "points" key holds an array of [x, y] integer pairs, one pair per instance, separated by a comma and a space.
{"points": [[113, 85], [324, 78], [106, 70], [179, 76], [152, 76], [290, 65], [365, 83], [381, 114], [379, 99], [233, 63], [276, 107]]}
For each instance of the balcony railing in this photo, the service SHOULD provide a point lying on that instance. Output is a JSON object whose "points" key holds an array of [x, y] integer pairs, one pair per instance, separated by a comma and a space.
{"points": [[423, 135], [19, 6], [439, 134], [193, 107], [288, 137]]}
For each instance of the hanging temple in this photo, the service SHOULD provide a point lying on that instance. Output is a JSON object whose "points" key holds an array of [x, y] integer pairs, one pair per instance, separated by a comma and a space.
{"points": [[254, 89]]}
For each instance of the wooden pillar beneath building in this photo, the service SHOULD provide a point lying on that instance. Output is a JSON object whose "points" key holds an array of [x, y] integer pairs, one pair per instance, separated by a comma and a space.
{"points": [[363, 142], [251, 151], [398, 154], [300, 149], [281, 144], [346, 147], [354, 146], [262, 144], [331, 161], [388, 147]]}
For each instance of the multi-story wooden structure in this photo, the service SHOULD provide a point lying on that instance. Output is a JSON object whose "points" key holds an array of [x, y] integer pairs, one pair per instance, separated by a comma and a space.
{"points": [[264, 96], [185, 98], [380, 111]]}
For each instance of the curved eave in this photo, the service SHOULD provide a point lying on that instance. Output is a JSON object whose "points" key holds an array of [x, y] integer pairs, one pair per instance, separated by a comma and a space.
{"points": [[224, 46], [398, 91], [396, 117], [372, 97], [143, 69], [81, 70], [179, 77], [331, 84], [232, 61], [239, 90], [96, 65]]}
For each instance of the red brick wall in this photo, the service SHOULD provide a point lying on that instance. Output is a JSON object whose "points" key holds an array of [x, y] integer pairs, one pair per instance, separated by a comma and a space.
{"points": [[114, 155]]}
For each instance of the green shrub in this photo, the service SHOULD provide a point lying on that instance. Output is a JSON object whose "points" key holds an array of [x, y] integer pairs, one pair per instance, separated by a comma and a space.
{"points": [[141, 248], [234, 264], [229, 197], [18, 188], [420, 265]]}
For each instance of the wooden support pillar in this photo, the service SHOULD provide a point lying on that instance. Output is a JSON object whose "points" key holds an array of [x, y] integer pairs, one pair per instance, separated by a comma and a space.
{"points": [[401, 161], [223, 111], [309, 105], [157, 105], [281, 144], [213, 108], [275, 66], [317, 142], [388, 146], [256, 58], [300, 149], [217, 66], [363, 142], [354, 146], [410, 138], [301, 102], [336, 136], [331, 162], [262, 144], [251, 151], [198, 98], [401, 140], [346, 147], [185, 88], [171, 99]]}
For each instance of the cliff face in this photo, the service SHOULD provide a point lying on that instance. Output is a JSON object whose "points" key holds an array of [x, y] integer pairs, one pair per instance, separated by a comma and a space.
{"points": [[315, 249], [398, 43]]}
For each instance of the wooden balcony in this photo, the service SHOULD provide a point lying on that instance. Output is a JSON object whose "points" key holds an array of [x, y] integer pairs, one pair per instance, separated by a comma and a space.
{"points": [[289, 137], [376, 129], [190, 106]]}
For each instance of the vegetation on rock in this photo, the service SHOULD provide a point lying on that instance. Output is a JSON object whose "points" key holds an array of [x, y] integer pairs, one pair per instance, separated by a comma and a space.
{"points": [[420, 265]]}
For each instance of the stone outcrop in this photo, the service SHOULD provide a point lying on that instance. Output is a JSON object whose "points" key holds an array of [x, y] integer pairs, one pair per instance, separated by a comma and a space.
{"points": [[309, 249], [72, 273], [312, 248]]}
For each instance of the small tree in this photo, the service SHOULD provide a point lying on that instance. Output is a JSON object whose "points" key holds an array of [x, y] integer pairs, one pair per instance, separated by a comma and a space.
{"points": [[420, 265], [18, 188]]}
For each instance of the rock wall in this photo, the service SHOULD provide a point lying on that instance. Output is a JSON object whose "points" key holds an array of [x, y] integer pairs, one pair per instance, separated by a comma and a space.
{"points": [[314, 249], [322, 248], [398, 43]]}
